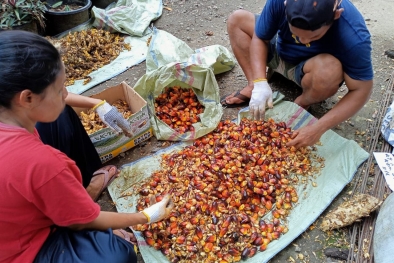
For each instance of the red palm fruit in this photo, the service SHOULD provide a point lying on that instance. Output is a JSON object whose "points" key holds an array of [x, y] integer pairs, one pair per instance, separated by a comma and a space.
{"points": [[275, 214], [234, 252], [223, 231], [180, 240], [191, 248], [199, 232], [280, 229], [245, 231], [150, 241], [258, 241], [287, 205], [253, 237], [147, 233], [263, 225], [226, 222], [211, 239], [194, 220], [268, 205], [263, 247], [279, 203], [270, 228], [225, 193], [252, 251], [208, 247], [275, 235]]}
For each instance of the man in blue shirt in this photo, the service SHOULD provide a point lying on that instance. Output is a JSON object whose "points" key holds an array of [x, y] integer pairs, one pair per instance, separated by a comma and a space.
{"points": [[318, 44]]}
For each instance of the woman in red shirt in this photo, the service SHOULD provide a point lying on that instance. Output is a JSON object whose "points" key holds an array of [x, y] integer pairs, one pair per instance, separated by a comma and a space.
{"points": [[46, 215]]}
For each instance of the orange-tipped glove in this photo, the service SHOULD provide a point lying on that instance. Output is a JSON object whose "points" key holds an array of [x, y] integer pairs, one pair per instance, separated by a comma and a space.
{"points": [[261, 98]]}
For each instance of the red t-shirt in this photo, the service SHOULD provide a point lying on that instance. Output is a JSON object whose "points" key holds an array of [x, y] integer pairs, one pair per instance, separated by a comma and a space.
{"points": [[39, 187]]}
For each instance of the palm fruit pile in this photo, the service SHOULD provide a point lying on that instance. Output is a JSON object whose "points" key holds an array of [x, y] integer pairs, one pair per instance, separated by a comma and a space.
{"points": [[178, 108], [232, 189]]}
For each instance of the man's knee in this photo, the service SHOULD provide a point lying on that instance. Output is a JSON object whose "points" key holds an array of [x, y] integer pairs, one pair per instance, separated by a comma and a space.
{"points": [[325, 72], [240, 19], [236, 16]]}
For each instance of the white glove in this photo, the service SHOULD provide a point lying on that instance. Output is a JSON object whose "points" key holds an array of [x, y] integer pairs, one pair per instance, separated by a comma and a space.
{"points": [[261, 97], [159, 211], [113, 118]]}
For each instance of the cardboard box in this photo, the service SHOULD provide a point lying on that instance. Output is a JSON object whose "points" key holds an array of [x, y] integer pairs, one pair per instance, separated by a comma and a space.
{"points": [[108, 144]]}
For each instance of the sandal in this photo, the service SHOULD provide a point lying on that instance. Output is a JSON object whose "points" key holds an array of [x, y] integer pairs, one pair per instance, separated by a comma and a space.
{"points": [[235, 105], [108, 178]]}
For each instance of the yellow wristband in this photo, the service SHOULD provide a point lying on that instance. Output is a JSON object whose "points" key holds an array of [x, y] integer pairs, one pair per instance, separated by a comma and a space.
{"points": [[98, 104], [258, 80], [146, 216]]}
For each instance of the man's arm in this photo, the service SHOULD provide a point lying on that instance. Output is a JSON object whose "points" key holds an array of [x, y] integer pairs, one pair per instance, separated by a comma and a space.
{"points": [[261, 92], [349, 105], [258, 57]]}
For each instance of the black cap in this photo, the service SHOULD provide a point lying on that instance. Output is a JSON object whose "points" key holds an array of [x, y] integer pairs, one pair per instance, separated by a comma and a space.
{"points": [[310, 14]]}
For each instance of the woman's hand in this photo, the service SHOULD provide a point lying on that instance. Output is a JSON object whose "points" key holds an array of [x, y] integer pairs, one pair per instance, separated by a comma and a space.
{"points": [[159, 211], [113, 118]]}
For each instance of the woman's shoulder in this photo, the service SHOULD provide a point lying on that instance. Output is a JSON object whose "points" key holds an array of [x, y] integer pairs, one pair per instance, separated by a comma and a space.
{"points": [[24, 157]]}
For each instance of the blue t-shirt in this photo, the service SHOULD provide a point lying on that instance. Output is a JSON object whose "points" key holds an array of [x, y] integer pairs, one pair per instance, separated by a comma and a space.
{"points": [[348, 39]]}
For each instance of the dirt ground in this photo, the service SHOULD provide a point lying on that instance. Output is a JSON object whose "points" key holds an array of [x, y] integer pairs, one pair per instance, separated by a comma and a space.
{"points": [[190, 20]]}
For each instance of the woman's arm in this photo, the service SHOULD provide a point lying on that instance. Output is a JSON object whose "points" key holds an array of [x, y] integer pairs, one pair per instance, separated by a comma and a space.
{"points": [[75, 100], [155, 212], [113, 220]]}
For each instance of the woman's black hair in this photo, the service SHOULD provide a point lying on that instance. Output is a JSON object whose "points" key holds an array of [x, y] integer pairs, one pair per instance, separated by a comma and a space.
{"points": [[27, 61]]}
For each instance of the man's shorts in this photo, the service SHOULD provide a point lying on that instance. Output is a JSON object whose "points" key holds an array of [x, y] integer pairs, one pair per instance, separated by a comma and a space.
{"points": [[292, 72]]}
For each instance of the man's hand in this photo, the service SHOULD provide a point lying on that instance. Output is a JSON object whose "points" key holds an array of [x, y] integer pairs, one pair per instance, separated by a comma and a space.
{"points": [[261, 97], [158, 211], [305, 136], [113, 118]]}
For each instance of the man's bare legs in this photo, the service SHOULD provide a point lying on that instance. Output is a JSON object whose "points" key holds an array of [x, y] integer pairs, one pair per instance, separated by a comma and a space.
{"points": [[240, 28], [323, 74]]}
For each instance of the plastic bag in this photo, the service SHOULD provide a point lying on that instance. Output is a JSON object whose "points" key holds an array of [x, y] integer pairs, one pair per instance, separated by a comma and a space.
{"points": [[165, 48], [131, 17], [171, 62], [200, 79], [383, 237], [388, 125]]}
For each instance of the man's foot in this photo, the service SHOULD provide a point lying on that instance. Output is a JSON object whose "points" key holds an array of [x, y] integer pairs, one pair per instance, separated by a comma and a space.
{"points": [[239, 98], [100, 180], [298, 101]]}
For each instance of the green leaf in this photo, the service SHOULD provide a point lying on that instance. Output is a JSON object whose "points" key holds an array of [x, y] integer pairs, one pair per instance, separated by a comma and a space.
{"points": [[57, 4], [17, 14]]}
